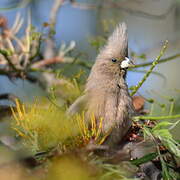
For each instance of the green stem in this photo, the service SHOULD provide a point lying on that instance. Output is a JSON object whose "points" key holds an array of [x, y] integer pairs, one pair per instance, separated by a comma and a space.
{"points": [[37, 51], [152, 109], [136, 88], [85, 64], [161, 61], [5, 54], [145, 71], [156, 117], [171, 108]]}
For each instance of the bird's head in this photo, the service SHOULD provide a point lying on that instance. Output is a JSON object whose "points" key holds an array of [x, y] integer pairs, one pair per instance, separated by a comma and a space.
{"points": [[113, 57]]}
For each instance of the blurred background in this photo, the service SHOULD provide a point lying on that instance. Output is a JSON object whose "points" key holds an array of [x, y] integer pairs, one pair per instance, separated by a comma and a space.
{"points": [[149, 22], [47, 48]]}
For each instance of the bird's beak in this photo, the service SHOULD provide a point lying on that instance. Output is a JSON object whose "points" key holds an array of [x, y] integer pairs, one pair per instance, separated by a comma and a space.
{"points": [[126, 63]]}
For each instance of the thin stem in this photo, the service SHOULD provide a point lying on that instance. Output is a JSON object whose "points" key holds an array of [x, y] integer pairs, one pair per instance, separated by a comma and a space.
{"points": [[136, 118], [27, 33], [152, 109], [161, 61], [145, 71], [136, 88], [53, 15], [50, 44], [5, 54], [171, 108], [18, 41], [36, 54], [9, 96], [10, 45]]}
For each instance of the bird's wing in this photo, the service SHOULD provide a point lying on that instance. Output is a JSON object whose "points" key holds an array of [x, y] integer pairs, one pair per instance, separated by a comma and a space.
{"points": [[78, 105]]}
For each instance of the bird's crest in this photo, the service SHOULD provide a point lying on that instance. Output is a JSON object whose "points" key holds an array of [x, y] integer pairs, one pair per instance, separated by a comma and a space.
{"points": [[117, 43]]}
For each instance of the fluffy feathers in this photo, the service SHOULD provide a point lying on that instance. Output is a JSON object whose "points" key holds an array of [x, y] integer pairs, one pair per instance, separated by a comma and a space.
{"points": [[106, 92]]}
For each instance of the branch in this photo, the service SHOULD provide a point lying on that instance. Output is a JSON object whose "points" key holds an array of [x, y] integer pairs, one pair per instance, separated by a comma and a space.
{"points": [[161, 61], [84, 6], [5, 54], [136, 118], [46, 62], [37, 53], [28, 77], [136, 88], [53, 14], [49, 49], [34, 79], [8, 96]]}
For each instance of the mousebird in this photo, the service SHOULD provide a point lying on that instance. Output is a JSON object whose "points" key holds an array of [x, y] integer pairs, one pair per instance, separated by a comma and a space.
{"points": [[106, 93]]}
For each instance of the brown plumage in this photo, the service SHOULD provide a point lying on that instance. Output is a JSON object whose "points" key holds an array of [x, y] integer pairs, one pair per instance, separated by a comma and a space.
{"points": [[106, 92]]}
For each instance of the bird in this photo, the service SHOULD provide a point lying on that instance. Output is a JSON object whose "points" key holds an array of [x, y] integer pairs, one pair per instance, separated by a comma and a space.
{"points": [[106, 93]]}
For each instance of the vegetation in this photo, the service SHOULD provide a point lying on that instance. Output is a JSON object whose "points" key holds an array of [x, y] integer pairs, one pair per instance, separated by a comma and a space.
{"points": [[51, 145]]}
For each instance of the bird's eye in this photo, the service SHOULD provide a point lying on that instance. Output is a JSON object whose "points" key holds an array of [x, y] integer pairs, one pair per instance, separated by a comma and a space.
{"points": [[114, 60]]}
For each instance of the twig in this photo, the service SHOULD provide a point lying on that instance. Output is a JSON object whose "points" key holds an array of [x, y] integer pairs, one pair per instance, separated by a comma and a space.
{"points": [[49, 51], [8, 96], [84, 6], [5, 54], [153, 72], [136, 118], [17, 24], [46, 62], [136, 88], [85, 64], [28, 77], [53, 14], [18, 41], [34, 79], [161, 61], [37, 53], [5, 111]]}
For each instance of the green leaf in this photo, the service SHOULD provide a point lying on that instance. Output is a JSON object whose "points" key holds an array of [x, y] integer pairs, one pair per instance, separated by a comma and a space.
{"points": [[144, 159], [162, 133], [5, 52], [172, 147], [162, 125], [165, 170]]}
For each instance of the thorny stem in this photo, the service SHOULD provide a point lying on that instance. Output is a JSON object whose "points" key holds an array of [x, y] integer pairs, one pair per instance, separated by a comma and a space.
{"points": [[136, 118], [136, 88]]}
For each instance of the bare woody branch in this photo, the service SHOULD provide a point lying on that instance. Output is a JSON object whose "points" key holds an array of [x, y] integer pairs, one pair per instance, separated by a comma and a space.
{"points": [[45, 62]]}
